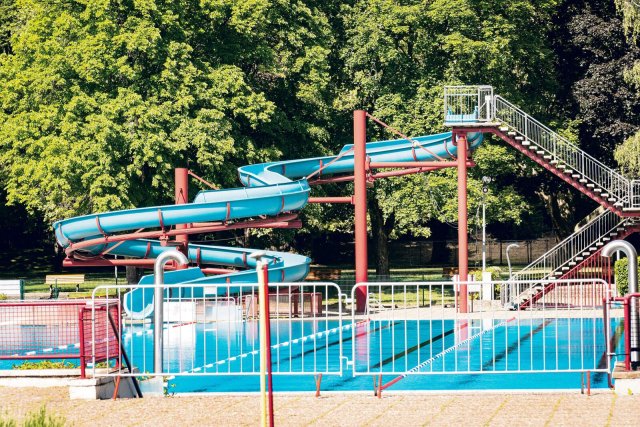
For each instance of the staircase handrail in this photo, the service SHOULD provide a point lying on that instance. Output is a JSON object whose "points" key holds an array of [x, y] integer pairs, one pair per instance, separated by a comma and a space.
{"points": [[572, 237], [621, 190]]}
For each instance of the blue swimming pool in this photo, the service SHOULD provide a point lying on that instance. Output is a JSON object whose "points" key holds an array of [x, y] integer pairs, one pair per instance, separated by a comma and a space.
{"points": [[441, 355], [437, 354]]}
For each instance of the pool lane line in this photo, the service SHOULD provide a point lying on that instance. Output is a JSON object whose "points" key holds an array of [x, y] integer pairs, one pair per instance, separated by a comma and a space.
{"points": [[273, 347], [443, 353], [77, 344], [518, 342], [294, 341], [414, 348]]}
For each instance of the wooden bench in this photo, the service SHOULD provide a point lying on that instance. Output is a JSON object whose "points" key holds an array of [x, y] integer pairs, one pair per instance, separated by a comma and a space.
{"points": [[12, 288], [54, 280]]}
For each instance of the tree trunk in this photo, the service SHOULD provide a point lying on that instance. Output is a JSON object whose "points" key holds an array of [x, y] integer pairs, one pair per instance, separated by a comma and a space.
{"points": [[380, 230], [133, 275]]}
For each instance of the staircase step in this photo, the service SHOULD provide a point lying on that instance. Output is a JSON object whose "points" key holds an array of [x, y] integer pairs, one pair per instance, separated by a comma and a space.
{"points": [[526, 142], [597, 190], [619, 228], [572, 263], [503, 128], [599, 244], [540, 151], [568, 171], [613, 234], [618, 204], [593, 248], [533, 147], [562, 166], [612, 199], [554, 162], [606, 239], [511, 133], [565, 268], [590, 185], [575, 175], [579, 258], [605, 195], [583, 181], [519, 138], [586, 253]]}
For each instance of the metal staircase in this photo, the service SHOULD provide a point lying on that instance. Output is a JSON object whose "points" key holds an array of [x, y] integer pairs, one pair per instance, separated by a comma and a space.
{"points": [[476, 108]]}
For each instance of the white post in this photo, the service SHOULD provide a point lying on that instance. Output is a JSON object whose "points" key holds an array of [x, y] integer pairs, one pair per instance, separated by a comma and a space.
{"points": [[262, 320], [484, 237], [158, 300]]}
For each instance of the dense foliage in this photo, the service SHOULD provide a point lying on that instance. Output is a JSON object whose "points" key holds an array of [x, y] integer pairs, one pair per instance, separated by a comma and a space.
{"points": [[101, 99]]}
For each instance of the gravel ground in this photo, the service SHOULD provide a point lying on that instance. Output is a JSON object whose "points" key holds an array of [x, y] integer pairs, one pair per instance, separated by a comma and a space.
{"points": [[533, 409]]}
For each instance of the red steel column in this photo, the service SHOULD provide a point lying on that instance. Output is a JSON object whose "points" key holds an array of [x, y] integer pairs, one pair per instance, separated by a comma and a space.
{"points": [[463, 246], [360, 202], [182, 197]]}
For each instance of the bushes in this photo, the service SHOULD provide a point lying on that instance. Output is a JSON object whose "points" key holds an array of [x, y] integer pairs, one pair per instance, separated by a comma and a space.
{"points": [[495, 273], [622, 275]]}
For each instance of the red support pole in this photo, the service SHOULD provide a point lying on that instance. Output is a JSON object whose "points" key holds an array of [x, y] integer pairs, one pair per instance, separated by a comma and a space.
{"points": [[360, 201], [265, 275], [463, 245], [182, 197]]}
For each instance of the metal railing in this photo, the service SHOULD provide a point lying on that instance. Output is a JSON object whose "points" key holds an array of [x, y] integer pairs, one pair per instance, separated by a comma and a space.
{"points": [[408, 334], [218, 335], [577, 244], [561, 150], [468, 104], [634, 194]]}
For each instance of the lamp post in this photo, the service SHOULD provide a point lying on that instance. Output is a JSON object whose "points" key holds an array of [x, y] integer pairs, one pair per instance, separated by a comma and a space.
{"points": [[512, 245], [486, 180]]}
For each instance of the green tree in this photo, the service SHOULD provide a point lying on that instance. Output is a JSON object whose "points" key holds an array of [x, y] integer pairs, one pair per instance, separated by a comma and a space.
{"points": [[101, 99], [628, 152], [398, 57]]}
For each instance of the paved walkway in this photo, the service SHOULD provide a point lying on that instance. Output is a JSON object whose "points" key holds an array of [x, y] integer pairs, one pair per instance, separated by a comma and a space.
{"points": [[533, 409]]}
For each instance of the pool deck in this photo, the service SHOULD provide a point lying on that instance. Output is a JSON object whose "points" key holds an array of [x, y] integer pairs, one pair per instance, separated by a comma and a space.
{"points": [[602, 408]]}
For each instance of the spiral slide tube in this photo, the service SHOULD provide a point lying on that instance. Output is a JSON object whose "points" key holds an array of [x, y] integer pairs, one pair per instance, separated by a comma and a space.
{"points": [[270, 189]]}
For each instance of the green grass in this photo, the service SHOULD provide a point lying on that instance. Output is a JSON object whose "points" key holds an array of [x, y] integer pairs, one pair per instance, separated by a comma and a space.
{"points": [[38, 418]]}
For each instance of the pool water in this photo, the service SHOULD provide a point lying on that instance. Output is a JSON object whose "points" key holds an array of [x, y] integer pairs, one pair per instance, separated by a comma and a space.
{"points": [[442, 355]]}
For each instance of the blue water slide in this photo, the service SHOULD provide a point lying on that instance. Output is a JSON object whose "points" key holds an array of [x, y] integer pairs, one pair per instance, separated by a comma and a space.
{"points": [[269, 189]]}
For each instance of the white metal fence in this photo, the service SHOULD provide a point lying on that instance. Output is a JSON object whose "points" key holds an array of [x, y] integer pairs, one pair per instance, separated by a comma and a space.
{"points": [[416, 328], [407, 328], [206, 334]]}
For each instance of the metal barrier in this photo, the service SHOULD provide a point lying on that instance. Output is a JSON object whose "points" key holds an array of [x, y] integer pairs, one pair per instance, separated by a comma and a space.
{"points": [[40, 330], [217, 334], [416, 328], [51, 330], [98, 326]]}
